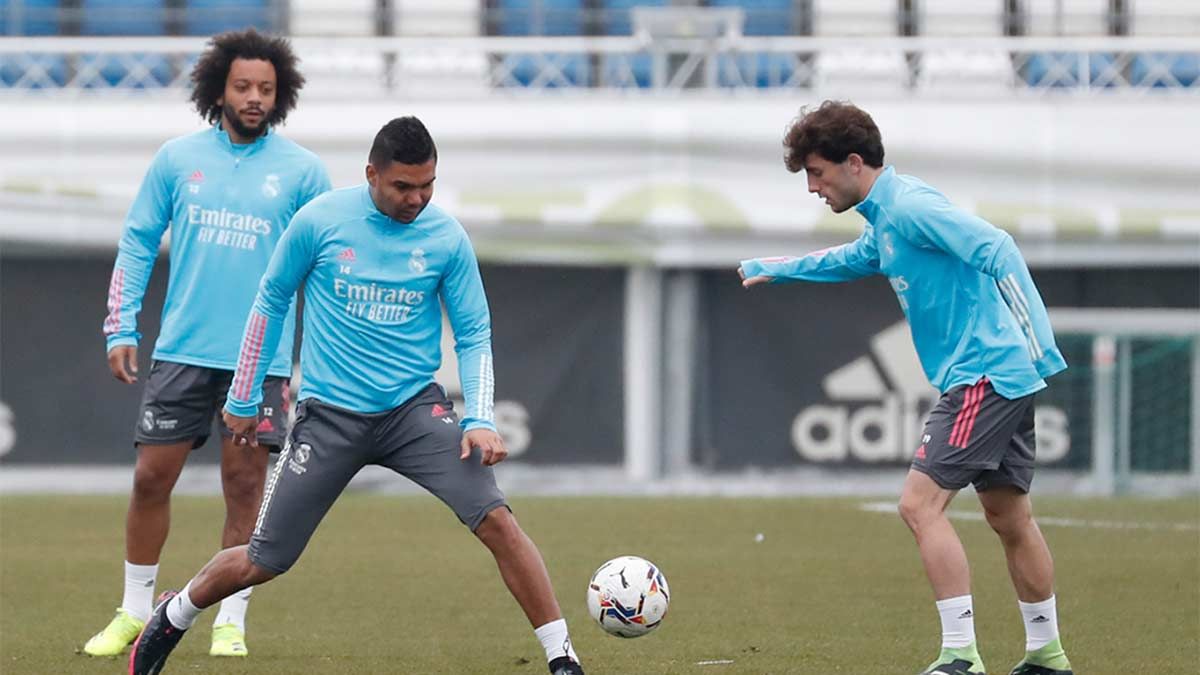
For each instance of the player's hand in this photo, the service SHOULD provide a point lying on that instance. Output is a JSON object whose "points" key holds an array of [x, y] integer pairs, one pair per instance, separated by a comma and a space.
{"points": [[491, 446], [245, 429], [122, 361], [747, 283]]}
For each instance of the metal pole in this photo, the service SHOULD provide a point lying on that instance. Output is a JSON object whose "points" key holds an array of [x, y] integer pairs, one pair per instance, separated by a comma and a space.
{"points": [[643, 353], [679, 356], [1124, 416], [1103, 404]]}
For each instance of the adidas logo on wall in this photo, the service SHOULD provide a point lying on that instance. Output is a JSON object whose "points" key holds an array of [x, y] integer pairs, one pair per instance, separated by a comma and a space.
{"points": [[879, 403]]}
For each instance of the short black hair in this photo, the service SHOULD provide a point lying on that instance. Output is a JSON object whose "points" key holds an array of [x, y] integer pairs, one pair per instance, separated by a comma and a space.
{"points": [[832, 130], [404, 140], [212, 70]]}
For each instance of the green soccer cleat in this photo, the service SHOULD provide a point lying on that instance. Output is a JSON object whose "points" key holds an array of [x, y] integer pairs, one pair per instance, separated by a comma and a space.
{"points": [[1049, 660], [228, 640], [961, 661], [116, 636]]}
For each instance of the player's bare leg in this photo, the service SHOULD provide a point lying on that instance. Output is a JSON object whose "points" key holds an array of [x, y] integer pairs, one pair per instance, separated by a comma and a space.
{"points": [[521, 566], [923, 506], [227, 573], [243, 473], [149, 517], [524, 572], [146, 525], [1010, 513]]}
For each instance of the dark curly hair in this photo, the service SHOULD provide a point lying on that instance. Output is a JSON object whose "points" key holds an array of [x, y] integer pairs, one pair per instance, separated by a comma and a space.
{"points": [[211, 71], [832, 130], [404, 140]]}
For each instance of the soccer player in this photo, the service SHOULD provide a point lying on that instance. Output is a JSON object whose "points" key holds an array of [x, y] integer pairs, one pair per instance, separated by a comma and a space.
{"points": [[985, 342], [377, 262], [228, 193]]}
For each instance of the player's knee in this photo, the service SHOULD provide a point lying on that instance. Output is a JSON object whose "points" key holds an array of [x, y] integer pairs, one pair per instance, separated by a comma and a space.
{"points": [[1008, 525], [256, 575], [909, 509], [253, 569], [152, 483], [243, 488], [498, 528]]}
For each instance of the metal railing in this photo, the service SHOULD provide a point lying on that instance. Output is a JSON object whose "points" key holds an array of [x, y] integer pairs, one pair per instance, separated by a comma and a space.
{"points": [[383, 67]]}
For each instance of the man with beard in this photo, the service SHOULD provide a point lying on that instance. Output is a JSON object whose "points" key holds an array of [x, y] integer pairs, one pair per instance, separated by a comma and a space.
{"points": [[227, 193]]}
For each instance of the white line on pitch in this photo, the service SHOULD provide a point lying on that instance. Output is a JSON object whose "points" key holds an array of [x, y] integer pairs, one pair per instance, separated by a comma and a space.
{"points": [[890, 507], [715, 662]]}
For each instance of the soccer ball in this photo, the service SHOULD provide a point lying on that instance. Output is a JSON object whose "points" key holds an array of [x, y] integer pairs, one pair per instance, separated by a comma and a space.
{"points": [[628, 596]]}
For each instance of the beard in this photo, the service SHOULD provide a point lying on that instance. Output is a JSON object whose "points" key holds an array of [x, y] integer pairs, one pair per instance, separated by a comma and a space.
{"points": [[241, 128]]}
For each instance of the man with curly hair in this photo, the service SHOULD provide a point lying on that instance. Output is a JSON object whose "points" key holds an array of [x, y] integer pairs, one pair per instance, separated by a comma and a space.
{"points": [[984, 339], [227, 193]]}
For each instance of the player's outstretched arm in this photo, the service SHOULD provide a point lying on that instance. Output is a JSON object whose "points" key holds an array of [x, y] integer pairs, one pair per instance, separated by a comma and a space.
{"points": [[854, 260], [752, 281]]}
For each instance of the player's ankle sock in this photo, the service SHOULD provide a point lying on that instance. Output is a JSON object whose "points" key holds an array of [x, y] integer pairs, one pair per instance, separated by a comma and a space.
{"points": [[138, 601], [958, 622], [1041, 623], [233, 609], [180, 610], [555, 640]]}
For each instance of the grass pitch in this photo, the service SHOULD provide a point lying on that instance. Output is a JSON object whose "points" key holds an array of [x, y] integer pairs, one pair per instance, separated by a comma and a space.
{"points": [[396, 585]]}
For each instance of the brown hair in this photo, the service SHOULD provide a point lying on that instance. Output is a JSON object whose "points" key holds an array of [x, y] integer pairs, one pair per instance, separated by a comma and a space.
{"points": [[832, 130]]}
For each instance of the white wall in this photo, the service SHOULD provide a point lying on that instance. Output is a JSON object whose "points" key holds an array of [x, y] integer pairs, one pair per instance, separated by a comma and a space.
{"points": [[566, 165]]}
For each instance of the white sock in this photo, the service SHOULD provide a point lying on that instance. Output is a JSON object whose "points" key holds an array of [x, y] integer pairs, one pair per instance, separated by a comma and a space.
{"points": [[180, 611], [139, 590], [233, 609], [1041, 623], [958, 622], [555, 640]]}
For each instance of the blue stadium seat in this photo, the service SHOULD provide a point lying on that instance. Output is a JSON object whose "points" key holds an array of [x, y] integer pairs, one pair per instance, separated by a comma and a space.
{"points": [[544, 17], [763, 17], [122, 17], [1165, 69], [209, 17], [126, 17], [1063, 69], [37, 17], [616, 20]]}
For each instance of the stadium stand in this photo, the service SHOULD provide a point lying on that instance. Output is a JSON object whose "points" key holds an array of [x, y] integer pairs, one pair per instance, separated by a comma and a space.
{"points": [[542, 17], [32, 71]]}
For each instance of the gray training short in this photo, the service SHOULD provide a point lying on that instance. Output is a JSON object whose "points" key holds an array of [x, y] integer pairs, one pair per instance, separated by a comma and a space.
{"points": [[974, 435], [180, 402], [328, 445]]}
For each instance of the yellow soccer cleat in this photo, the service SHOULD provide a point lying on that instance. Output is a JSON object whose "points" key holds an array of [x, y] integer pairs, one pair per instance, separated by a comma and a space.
{"points": [[116, 636], [228, 640]]}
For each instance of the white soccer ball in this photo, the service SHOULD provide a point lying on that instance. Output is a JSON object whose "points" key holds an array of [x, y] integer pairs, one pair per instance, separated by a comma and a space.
{"points": [[628, 596]]}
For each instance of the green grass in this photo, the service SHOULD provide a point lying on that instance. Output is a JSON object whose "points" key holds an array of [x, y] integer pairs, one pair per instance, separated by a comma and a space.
{"points": [[396, 585]]}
